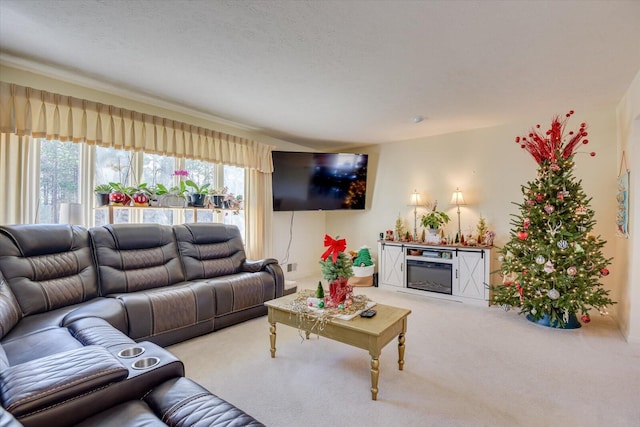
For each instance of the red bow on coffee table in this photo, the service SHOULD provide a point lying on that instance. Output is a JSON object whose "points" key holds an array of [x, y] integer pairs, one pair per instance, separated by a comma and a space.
{"points": [[335, 247]]}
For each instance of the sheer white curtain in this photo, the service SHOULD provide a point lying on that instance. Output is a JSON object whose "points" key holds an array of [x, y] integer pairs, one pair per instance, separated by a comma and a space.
{"points": [[257, 214], [19, 177]]}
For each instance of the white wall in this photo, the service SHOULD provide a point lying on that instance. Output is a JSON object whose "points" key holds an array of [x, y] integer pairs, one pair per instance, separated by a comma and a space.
{"points": [[628, 250]]}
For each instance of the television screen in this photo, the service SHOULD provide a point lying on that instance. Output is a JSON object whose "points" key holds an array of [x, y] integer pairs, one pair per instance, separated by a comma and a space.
{"points": [[318, 181]]}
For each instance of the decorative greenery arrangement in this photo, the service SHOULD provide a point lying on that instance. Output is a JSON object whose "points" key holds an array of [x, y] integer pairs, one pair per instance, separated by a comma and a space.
{"points": [[399, 227], [334, 263], [434, 219], [552, 264]]}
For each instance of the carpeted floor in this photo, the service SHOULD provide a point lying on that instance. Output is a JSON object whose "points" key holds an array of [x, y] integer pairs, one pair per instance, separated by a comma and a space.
{"points": [[464, 366]]}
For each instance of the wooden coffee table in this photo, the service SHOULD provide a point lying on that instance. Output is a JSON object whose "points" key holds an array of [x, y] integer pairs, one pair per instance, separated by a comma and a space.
{"points": [[370, 334]]}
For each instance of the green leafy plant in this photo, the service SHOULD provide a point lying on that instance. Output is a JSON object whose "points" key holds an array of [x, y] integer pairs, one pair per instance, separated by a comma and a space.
{"points": [[103, 189], [158, 190], [434, 219], [180, 189], [129, 191], [204, 189]]}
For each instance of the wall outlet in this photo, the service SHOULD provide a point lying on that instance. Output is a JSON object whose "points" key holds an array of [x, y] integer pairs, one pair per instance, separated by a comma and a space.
{"points": [[291, 267]]}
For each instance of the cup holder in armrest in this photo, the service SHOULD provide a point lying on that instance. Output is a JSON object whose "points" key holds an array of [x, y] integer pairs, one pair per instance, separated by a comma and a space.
{"points": [[145, 363], [131, 352]]}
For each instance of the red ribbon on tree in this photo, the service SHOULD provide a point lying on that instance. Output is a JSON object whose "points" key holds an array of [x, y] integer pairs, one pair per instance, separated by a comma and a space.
{"points": [[334, 247]]}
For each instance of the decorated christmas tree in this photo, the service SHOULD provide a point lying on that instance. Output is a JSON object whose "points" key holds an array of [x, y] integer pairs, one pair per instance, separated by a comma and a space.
{"points": [[552, 264]]}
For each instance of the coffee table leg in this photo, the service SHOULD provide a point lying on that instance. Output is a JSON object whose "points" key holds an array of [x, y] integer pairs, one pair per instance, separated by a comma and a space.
{"points": [[272, 338], [400, 351], [374, 377]]}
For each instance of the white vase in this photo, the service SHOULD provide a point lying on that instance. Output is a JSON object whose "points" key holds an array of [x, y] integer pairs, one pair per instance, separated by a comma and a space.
{"points": [[432, 236]]}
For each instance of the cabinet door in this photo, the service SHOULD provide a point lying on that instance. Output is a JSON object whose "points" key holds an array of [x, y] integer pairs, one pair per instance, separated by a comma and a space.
{"points": [[391, 265], [471, 274]]}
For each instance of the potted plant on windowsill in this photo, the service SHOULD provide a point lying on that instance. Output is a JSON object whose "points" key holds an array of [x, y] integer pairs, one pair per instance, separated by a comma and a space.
{"points": [[120, 194], [217, 196], [198, 193], [174, 197], [102, 192], [432, 221], [141, 196]]}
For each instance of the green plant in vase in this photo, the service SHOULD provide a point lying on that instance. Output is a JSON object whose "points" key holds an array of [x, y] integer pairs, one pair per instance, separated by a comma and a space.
{"points": [[198, 193], [120, 194], [432, 221]]}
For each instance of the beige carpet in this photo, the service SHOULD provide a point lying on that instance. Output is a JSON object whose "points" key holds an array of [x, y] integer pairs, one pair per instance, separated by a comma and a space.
{"points": [[464, 366]]}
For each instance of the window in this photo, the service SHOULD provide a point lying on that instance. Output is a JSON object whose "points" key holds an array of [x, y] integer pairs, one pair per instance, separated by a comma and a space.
{"points": [[62, 178], [59, 178]]}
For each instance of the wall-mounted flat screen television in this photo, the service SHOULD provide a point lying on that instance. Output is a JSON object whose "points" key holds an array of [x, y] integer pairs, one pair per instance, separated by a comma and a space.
{"points": [[318, 181]]}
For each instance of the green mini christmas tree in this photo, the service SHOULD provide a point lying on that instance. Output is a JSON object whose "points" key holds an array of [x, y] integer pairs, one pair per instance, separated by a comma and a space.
{"points": [[363, 259], [552, 264], [319, 291]]}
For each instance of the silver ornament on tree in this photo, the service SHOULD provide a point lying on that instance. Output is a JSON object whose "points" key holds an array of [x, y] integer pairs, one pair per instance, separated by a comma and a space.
{"points": [[563, 244], [553, 294], [540, 259]]}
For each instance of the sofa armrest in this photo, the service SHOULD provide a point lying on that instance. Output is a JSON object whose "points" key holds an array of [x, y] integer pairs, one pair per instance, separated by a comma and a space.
{"points": [[40, 383], [271, 266], [183, 402], [258, 265]]}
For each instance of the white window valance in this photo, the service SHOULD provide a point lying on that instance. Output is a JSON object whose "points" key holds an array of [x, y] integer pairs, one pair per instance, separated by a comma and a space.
{"points": [[41, 114]]}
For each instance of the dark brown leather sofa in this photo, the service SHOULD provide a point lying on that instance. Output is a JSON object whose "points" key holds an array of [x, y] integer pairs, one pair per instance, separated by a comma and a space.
{"points": [[74, 302]]}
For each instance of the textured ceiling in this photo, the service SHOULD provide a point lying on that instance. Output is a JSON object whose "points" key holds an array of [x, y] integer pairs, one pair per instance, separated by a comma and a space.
{"points": [[331, 74]]}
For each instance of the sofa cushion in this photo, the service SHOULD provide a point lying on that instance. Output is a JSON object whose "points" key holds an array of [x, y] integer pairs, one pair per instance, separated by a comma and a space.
{"points": [[47, 266], [10, 313], [170, 309], [39, 343], [109, 309], [136, 257], [209, 250], [237, 292]]}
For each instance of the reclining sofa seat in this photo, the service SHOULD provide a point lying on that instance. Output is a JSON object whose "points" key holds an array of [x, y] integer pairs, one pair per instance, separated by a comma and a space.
{"points": [[214, 253], [48, 281], [139, 265]]}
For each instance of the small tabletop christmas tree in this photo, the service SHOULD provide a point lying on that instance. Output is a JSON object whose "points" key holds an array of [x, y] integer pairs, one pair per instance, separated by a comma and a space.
{"points": [[552, 263], [336, 268]]}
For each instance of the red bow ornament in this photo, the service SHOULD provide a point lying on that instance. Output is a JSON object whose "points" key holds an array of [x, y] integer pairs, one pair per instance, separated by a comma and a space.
{"points": [[334, 247]]}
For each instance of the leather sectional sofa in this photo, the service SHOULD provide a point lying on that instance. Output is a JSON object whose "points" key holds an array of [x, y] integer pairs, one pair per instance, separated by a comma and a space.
{"points": [[85, 314]]}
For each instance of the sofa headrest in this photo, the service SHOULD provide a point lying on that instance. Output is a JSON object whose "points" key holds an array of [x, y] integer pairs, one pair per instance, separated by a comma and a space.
{"points": [[204, 233], [42, 239], [140, 236]]}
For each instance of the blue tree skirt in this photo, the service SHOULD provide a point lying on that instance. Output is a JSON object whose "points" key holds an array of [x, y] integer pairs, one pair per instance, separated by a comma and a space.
{"points": [[572, 323]]}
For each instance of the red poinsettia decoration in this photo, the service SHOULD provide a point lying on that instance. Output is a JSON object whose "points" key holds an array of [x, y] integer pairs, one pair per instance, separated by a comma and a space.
{"points": [[554, 142]]}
